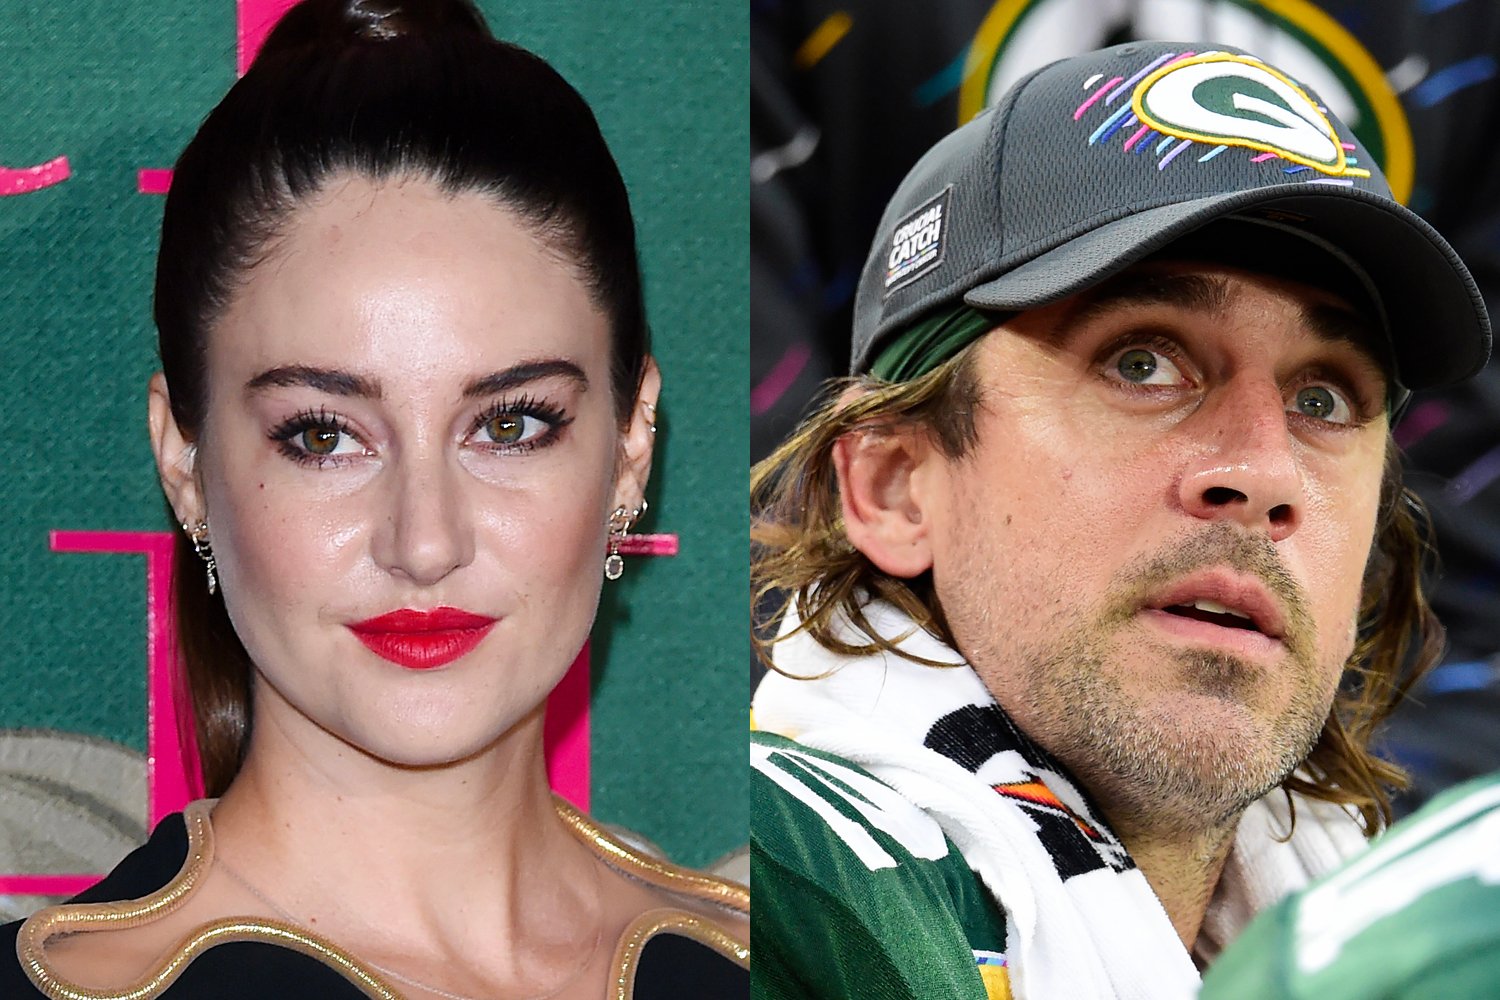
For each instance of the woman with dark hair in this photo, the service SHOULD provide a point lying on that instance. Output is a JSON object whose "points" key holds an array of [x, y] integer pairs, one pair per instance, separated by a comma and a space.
{"points": [[405, 416]]}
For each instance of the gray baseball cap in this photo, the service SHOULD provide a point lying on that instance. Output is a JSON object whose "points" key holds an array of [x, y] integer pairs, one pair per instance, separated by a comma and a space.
{"points": [[1093, 163]]}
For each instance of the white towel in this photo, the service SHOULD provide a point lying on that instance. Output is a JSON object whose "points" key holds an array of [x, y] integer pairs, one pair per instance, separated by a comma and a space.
{"points": [[1082, 922]]}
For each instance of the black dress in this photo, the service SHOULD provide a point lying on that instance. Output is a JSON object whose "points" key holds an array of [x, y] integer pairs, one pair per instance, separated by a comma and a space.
{"points": [[673, 954]]}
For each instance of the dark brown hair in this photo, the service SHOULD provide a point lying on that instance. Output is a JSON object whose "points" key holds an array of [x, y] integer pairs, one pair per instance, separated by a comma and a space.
{"points": [[800, 557], [379, 89]]}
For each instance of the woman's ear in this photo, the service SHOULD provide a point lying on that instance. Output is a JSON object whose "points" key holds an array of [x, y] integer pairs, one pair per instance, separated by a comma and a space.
{"points": [[639, 441], [880, 475], [176, 456]]}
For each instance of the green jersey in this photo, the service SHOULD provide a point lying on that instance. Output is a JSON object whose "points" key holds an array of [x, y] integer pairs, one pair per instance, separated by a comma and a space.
{"points": [[858, 893], [1418, 916]]}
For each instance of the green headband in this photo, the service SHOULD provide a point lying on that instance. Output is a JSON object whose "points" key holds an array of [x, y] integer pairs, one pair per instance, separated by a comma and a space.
{"points": [[919, 349]]}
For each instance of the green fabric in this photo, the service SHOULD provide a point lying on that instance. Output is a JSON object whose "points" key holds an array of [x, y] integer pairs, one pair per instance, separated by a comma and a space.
{"points": [[829, 925], [921, 348], [1416, 917]]}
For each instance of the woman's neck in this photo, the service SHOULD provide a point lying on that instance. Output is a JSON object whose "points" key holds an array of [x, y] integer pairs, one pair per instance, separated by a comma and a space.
{"points": [[466, 858]]}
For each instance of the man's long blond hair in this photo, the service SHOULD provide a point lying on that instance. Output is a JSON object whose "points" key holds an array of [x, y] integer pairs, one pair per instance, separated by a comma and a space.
{"points": [[801, 557]]}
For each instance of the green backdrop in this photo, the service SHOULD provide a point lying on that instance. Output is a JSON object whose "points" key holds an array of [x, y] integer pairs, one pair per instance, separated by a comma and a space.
{"points": [[118, 86]]}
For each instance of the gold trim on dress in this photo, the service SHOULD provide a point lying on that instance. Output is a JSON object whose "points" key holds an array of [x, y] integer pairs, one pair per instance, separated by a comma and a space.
{"points": [[648, 925], [654, 871], [73, 918]]}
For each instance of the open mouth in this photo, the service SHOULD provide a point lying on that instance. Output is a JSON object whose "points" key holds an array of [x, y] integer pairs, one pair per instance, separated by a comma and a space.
{"points": [[1214, 613], [1220, 608]]}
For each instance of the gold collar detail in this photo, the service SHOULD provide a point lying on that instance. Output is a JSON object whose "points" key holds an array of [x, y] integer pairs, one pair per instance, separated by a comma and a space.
{"points": [[72, 918]]}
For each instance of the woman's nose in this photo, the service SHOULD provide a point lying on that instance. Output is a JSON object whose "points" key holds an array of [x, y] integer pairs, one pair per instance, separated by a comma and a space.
{"points": [[427, 531]]}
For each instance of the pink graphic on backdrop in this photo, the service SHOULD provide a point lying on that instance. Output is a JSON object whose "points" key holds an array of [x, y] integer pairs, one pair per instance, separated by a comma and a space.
{"points": [[153, 180], [45, 885], [256, 19], [565, 733], [24, 180], [648, 545]]}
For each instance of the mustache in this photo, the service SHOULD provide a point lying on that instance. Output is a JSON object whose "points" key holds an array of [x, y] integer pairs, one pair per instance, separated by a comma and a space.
{"points": [[1215, 545]]}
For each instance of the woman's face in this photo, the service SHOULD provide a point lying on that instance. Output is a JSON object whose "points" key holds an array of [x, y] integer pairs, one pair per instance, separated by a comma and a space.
{"points": [[409, 408]]}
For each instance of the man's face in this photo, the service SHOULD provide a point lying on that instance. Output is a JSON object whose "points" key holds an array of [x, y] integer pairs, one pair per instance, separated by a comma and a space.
{"points": [[1153, 555]]}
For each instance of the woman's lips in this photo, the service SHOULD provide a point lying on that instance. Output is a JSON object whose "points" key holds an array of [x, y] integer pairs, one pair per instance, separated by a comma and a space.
{"points": [[423, 640]]}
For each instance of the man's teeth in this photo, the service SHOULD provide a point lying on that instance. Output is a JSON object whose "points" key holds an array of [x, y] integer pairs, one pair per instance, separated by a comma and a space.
{"points": [[1214, 607]]}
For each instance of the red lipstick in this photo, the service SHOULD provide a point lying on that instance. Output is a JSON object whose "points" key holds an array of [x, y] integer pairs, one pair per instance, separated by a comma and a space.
{"points": [[423, 640]]}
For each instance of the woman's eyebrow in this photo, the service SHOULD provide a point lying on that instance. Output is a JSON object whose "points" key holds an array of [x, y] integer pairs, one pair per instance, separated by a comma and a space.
{"points": [[526, 371], [333, 381], [337, 382]]}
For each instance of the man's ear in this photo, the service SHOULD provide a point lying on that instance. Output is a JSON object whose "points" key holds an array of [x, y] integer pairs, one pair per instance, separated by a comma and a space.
{"points": [[176, 456], [638, 441], [880, 490]]}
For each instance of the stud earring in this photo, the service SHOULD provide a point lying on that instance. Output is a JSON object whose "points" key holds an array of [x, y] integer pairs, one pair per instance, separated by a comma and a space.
{"points": [[198, 535], [620, 523], [650, 409]]}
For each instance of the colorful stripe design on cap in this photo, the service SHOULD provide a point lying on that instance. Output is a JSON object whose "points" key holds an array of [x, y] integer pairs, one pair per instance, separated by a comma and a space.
{"points": [[1112, 124], [1132, 81], [1217, 100], [994, 972], [1173, 153], [1096, 94]]}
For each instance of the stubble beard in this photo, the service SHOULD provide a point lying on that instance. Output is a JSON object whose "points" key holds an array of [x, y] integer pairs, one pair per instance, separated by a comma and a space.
{"points": [[1150, 767], [1145, 762]]}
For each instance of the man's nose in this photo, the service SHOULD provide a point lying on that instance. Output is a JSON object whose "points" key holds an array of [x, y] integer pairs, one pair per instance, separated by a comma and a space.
{"points": [[427, 531], [1246, 469]]}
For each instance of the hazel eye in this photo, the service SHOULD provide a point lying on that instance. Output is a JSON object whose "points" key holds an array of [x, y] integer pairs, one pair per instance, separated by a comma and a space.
{"points": [[321, 440], [511, 427], [1322, 403], [1144, 366], [317, 438]]}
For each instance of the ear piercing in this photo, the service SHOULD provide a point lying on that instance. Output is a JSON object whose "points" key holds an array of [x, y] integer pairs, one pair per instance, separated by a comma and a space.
{"points": [[621, 521], [198, 535]]}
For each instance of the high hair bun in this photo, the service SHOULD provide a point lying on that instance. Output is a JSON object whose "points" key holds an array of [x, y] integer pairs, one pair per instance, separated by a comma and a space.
{"points": [[326, 24]]}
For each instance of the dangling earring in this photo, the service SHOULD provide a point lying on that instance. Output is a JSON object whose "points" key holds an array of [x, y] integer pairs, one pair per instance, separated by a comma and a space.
{"points": [[620, 523], [198, 535]]}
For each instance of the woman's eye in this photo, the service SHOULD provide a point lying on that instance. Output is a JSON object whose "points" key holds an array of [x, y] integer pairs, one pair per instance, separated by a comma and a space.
{"points": [[314, 437], [1322, 403], [326, 440], [1143, 366], [514, 428]]}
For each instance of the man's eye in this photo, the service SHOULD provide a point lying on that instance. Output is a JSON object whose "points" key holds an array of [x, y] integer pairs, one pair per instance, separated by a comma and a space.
{"points": [[1143, 366], [512, 427], [1322, 403]]}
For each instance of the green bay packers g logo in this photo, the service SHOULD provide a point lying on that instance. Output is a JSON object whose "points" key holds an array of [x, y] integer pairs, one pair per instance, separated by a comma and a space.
{"points": [[1018, 36], [1231, 100]]}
